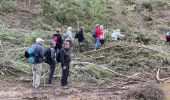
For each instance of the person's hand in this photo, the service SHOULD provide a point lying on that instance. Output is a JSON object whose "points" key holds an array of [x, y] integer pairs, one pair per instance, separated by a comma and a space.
{"points": [[64, 67]]}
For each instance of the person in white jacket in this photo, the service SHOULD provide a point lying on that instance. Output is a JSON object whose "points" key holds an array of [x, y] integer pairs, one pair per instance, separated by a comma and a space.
{"points": [[116, 33], [68, 36]]}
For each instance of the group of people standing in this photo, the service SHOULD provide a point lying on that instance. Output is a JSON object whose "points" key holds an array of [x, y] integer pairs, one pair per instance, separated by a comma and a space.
{"points": [[59, 52]]}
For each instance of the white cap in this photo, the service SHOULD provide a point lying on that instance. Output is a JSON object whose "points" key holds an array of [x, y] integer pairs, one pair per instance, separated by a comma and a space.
{"points": [[39, 40]]}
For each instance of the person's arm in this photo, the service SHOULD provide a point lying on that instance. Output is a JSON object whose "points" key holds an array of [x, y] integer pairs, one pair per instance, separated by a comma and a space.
{"points": [[53, 55], [119, 34], [76, 36], [62, 57], [41, 53], [71, 36]]}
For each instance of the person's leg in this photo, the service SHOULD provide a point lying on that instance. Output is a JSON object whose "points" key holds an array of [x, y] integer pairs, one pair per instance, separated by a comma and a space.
{"points": [[34, 75], [97, 43], [67, 74], [38, 75], [63, 78], [52, 68]]}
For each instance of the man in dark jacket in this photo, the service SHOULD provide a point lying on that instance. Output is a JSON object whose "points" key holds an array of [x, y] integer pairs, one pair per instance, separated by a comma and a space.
{"points": [[37, 67], [65, 63], [80, 35], [51, 60], [58, 40]]}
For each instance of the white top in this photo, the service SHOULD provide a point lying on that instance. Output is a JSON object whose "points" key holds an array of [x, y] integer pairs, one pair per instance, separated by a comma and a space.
{"points": [[116, 33]]}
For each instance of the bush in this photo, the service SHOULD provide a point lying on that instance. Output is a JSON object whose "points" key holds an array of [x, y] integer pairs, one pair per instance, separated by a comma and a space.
{"points": [[7, 6], [148, 6]]}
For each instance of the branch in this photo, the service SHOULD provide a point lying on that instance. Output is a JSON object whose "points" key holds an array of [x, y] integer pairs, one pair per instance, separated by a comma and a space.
{"points": [[158, 78]]}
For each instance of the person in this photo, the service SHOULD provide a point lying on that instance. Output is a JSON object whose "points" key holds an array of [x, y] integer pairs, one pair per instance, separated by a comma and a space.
{"points": [[68, 36], [168, 37], [99, 33], [65, 63], [58, 40], [115, 34], [51, 60], [103, 36], [80, 36], [37, 66]]}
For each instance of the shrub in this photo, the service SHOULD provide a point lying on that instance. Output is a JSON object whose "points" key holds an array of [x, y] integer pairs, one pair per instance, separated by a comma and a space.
{"points": [[148, 6], [7, 6]]}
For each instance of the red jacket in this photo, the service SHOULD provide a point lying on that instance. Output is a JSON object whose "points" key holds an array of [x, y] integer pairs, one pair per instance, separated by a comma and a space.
{"points": [[99, 33]]}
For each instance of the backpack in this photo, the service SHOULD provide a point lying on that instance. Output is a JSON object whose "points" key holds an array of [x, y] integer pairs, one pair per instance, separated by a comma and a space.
{"points": [[55, 39], [47, 55], [33, 53], [58, 57], [26, 55], [94, 34]]}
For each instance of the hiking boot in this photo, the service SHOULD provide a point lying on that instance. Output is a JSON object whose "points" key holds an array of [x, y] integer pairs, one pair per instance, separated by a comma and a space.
{"points": [[65, 87]]}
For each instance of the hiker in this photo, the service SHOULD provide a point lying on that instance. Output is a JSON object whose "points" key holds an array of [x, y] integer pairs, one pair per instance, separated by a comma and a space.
{"points": [[68, 36], [57, 40], [80, 36], [168, 37], [37, 65], [99, 33], [94, 34], [103, 36], [51, 60], [115, 34], [65, 63]]}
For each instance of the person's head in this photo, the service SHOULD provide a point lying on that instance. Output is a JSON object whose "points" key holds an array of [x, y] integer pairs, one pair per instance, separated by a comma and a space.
{"points": [[69, 28], [118, 30], [101, 27], [39, 40], [52, 44], [66, 45], [81, 28], [97, 25], [58, 30]]}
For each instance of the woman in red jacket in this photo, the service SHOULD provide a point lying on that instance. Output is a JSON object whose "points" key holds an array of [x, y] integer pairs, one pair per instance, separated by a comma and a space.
{"points": [[99, 32]]}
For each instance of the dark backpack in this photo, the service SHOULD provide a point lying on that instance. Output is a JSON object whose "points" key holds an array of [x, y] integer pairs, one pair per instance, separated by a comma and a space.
{"points": [[47, 55], [26, 54], [58, 57], [94, 34]]}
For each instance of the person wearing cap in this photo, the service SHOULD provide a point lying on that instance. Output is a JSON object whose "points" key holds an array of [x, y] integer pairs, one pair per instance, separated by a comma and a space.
{"points": [[37, 66], [58, 40]]}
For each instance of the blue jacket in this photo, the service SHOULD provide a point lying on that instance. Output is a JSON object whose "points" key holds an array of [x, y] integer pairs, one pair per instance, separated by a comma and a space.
{"points": [[40, 56]]}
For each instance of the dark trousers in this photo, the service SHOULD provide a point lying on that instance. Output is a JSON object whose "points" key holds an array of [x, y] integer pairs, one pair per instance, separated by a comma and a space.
{"points": [[52, 68], [102, 41], [168, 38], [64, 79]]}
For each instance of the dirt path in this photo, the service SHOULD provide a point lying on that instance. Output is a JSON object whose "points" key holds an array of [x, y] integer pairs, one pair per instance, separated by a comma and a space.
{"points": [[81, 91]]}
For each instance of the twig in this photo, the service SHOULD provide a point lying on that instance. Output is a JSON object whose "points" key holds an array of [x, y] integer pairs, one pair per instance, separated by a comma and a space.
{"points": [[158, 78]]}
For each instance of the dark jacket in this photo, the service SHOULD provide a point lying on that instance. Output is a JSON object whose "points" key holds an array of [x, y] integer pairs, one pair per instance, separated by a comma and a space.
{"points": [[60, 41], [39, 57], [80, 36], [65, 57]]}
